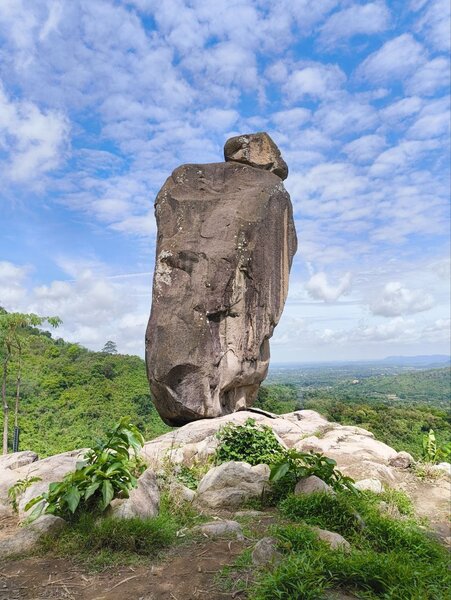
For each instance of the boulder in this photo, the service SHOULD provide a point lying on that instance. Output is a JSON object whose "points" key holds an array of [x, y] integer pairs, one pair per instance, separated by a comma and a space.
{"points": [[180, 491], [257, 150], [312, 485], [197, 441], [143, 501], [443, 467], [231, 484], [26, 538], [225, 244], [265, 552], [369, 485], [402, 460], [215, 529], [47, 470], [348, 444], [17, 459], [334, 540]]}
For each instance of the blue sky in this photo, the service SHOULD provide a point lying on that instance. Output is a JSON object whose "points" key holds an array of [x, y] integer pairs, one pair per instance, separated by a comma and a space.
{"points": [[101, 99]]}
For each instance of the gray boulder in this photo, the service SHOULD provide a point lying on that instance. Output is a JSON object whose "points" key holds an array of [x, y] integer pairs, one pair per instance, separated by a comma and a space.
{"points": [[334, 540], [226, 240], [265, 552], [17, 459], [143, 502], [257, 150], [369, 485], [26, 538], [312, 485], [215, 529], [403, 460], [231, 484]]}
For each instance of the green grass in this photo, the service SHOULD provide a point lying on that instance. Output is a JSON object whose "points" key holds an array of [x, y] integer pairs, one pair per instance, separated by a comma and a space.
{"points": [[107, 542], [390, 558]]}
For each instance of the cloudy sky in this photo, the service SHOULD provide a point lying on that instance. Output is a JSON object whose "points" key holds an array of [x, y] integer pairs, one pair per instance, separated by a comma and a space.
{"points": [[101, 99]]}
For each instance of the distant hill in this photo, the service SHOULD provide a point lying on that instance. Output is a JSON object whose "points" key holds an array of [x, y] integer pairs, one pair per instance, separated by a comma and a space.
{"points": [[420, 361], [71, 396]]}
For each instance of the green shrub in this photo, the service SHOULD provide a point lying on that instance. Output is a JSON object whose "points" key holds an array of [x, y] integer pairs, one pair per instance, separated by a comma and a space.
{"points": [[291, 466], [433, 453], [249, 443], [256, 444], [18, 489], [106, 472]]}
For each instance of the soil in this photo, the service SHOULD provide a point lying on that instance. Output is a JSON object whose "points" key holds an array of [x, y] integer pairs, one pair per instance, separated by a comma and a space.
{"points": [[186, 573]]}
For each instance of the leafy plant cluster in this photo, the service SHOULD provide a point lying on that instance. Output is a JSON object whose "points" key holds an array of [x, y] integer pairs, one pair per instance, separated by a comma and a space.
{"points": [[433, 453], [16, 490], [389, 558], [106, 472], [248, 442], [256, 444]]}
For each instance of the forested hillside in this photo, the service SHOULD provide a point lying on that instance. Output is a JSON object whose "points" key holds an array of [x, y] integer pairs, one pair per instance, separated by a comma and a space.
{"points": [[71, 396]]}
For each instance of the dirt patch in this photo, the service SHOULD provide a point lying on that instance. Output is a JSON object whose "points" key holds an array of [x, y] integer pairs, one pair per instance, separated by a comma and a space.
{"points": [[187, 572]]}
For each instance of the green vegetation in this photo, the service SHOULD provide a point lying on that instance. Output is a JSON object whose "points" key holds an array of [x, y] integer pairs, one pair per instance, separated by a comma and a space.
{"points": [[277, 398], [108, 542], [433, 453], [257, 444], [16, 490], [390, 558], [71, 396], [292, 465], [250, 443], [400, 426], [106, 472]]}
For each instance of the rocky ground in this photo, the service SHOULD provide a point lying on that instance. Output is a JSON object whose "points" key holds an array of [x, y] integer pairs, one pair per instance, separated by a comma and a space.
{"points": [[191, 570]]}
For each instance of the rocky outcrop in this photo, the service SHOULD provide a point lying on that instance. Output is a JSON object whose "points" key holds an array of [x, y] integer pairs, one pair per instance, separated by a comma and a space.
{"points": [[143, 501], [231, 484], [226, 240], [26, 538], [256, 150], [312, 485]]}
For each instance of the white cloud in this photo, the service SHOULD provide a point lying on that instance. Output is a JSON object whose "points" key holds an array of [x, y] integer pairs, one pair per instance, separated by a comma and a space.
{"points": [[365, 148], [432, 76], [319, 287], [396, 59], [434, 23], [366, 19], [12, 278], [315, 81], [396, 300], [34, 141]]}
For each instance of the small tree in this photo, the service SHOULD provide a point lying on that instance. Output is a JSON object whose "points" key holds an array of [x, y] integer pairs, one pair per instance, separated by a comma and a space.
{"points": [[12, 342], [110, 348]]}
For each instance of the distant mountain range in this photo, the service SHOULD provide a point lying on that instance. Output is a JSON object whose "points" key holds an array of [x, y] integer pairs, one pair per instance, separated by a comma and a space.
{"points": [[427, 361]]}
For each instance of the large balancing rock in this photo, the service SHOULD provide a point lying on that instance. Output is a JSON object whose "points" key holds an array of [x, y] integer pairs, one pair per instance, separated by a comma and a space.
{"points": [[226, 240]]}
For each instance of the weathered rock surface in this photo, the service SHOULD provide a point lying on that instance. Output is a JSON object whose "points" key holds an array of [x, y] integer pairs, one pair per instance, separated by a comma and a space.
{"points": [[15, 460], [197, 441], [403, 460], [265, 552], [226, 240], [231, 484], [215, 529], [48, 470], [312, 485], [348, 443], [369, 485], [257, 150], [332, 539], [26, 538], [143, 501]]}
